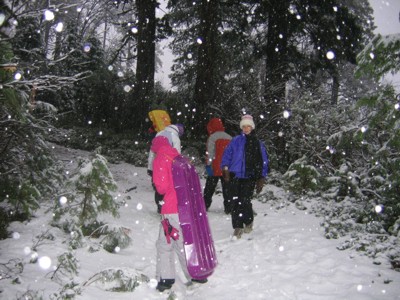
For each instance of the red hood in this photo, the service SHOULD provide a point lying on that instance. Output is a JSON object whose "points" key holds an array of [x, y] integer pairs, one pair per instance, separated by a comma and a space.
{"points": [[214, 125]]}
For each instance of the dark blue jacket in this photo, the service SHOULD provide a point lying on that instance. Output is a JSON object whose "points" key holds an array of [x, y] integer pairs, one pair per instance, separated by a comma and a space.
{"points": [[234, 157]]}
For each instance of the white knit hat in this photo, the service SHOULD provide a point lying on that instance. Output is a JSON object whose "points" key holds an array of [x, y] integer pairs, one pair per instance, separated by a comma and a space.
{"points": [[247, 120]]}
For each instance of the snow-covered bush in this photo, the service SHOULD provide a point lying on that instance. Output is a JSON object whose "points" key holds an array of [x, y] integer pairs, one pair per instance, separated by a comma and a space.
{"points": [[266, 196], [382, 137], [29, 173], [67, 291], [67, 267], [380, 56], [340, 218], [115, 147], [136, 156], [114, 238], [395, 228], [381, 171], [344, 183], [25, 198], [301, 177], [92, 186], [117, 280], [42, 109]]}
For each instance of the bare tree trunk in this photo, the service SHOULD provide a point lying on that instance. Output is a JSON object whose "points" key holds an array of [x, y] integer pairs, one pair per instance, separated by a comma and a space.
{"points": [[145, 67], [207, 80], [105, 34], [335, 89], [276, 72]]}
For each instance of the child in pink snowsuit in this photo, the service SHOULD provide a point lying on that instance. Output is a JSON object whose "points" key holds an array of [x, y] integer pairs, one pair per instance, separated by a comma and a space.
{"points": [[168, 243]]}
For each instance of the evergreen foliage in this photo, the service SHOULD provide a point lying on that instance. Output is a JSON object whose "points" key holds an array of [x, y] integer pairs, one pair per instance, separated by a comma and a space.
{"points": [[114, 239], [380, 140], [117, 280], [92, 185], [28, 174], [380, 57], [100, 100], [67, 266], [301, 177], [341, 140], [67, 291]]}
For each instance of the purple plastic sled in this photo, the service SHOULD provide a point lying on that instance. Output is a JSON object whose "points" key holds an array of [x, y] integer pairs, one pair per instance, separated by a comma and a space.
{"points": [[198, 243]]}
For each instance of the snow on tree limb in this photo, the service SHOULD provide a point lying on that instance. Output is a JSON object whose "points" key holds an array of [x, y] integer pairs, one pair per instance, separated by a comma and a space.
{"points": [[381, 56]]}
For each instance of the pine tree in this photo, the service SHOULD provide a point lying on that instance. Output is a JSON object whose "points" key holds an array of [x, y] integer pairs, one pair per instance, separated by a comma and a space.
{"points": [[145, 68], [381, 135], [92, 186], [213, 58], [380, 57], [28, 173]]}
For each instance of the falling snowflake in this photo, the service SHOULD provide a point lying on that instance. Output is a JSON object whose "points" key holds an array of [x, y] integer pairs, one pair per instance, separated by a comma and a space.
{"points": [[63, 200], [48, 15], [44, 262], [286, 114], [59, 27], [330, 55]]}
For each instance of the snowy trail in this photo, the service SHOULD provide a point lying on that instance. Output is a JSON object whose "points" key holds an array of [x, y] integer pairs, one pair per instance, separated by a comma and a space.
{"points": [[286, 257]]}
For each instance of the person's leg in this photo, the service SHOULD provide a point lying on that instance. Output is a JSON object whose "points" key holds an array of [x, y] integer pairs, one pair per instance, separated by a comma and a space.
{"points": [[165, 267], [247, 191], [209, 189], [236, 205], [226, 196], [178, 246], [242, 209]]}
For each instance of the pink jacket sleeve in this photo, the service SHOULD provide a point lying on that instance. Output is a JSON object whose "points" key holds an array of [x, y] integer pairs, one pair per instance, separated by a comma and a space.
{"points": [[162, 174]]}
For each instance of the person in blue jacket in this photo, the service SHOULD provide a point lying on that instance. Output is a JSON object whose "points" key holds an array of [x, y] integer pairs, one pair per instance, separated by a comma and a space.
{"points": [[244, 166]]}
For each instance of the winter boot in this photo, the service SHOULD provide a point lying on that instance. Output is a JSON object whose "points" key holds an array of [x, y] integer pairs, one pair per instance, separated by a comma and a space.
{"points": [[238, 233], [199, 280], [248, 228], [165, 284]]}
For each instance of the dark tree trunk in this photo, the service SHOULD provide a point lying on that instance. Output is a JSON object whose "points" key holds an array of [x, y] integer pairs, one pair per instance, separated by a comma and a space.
{"points": [[145, 67], [276, 71], [207, 75], [335, 89]]}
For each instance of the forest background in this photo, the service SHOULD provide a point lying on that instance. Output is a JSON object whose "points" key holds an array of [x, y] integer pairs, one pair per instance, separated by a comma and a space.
{"points": [[81, 73]]}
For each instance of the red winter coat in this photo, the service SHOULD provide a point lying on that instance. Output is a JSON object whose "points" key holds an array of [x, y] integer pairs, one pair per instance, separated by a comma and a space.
{"points": [[217, 141]]}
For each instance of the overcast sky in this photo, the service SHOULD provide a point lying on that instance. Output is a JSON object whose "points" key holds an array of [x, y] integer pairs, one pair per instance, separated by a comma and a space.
{"points": [[387, 16], [387, 20]]}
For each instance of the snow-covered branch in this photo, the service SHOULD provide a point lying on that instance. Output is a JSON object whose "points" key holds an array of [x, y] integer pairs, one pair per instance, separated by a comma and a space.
{"points": [[49, 82]]}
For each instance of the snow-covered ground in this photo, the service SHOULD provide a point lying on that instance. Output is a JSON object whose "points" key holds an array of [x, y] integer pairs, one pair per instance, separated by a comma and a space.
{"points": [[285, 257]]}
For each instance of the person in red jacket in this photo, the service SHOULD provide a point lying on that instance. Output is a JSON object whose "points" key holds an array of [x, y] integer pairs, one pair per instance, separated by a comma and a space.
{"points": [[169, 241], [217, 140]]}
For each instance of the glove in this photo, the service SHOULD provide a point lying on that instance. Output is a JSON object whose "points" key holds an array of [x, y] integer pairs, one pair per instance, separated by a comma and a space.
{"points": [[259, 185], [150, 173], [226, 175], [169, 231], [209, 170]]}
